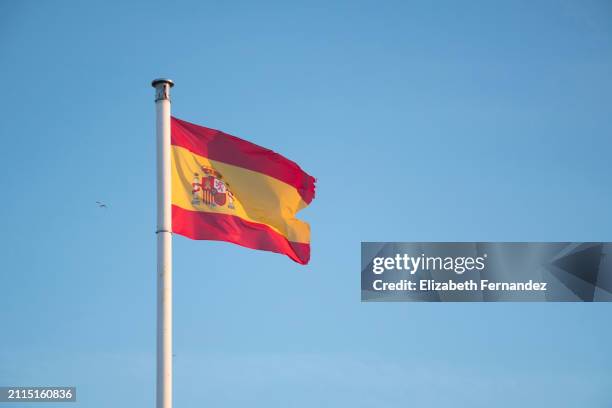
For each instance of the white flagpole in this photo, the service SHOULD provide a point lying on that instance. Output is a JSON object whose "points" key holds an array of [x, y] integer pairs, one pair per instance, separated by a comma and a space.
{"points": [[164, 245]]}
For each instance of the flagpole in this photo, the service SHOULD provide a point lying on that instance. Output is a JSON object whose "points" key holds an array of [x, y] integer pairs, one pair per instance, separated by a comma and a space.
{"points": [[164, 244]]}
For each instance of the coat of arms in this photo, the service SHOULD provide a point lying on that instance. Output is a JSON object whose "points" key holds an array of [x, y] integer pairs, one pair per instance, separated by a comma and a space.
{"points": [[210, 189]]}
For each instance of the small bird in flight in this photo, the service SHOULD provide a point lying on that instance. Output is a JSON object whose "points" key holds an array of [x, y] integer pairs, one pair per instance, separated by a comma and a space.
{"points": [[101, 204]]}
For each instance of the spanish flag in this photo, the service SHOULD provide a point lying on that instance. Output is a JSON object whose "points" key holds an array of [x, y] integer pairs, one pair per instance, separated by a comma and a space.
{"points": [[227, 189]]}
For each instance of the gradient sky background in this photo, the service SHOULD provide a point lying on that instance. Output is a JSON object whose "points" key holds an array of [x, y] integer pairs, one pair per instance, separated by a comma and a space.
{"points": [[421, 121]]}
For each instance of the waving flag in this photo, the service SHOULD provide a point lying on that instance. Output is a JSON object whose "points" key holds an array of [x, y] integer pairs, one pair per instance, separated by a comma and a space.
{"points": [[227, 189]]}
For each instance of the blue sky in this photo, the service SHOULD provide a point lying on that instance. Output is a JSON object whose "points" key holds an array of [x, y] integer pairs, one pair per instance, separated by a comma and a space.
{"points": [[439, 121]]}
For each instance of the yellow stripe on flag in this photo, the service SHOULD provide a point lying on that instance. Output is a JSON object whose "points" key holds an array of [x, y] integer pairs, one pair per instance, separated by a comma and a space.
{"points": [[258, 197]]}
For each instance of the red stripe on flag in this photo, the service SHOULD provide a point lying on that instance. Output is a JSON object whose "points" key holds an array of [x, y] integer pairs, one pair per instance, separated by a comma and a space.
{"points": [[229, 149], [223, 227]]}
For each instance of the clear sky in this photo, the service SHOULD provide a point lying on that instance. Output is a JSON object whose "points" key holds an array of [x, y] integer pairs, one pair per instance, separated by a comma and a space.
{"points": [[477, 120]]}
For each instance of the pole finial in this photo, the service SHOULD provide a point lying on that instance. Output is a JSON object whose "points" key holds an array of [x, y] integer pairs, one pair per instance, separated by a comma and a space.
{"points": [[162, 88]]}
